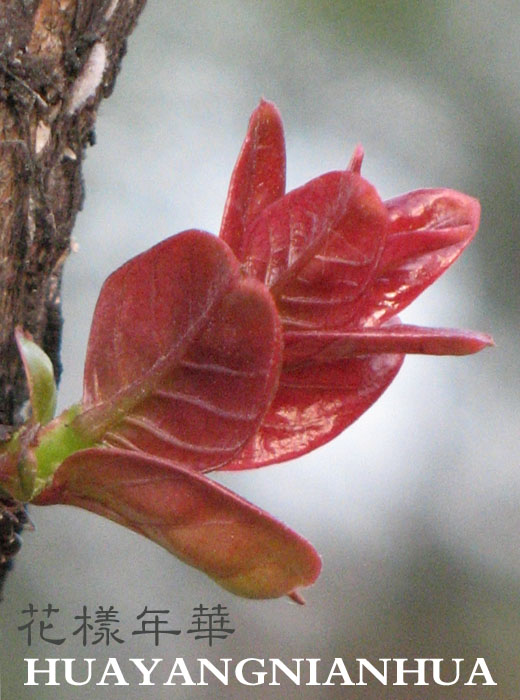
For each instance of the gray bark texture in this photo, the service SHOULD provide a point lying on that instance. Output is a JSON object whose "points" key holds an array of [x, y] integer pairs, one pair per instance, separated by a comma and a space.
{"points": [[58, 59]]}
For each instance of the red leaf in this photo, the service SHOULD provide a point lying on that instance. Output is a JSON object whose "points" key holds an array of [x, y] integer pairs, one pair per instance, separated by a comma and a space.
{"points": [[317, 249], [185, 353], [333, 378], [258, 178], [394, 337], [429, 229], [314, 404], [242, 548], [183, 356], [337, 276]]}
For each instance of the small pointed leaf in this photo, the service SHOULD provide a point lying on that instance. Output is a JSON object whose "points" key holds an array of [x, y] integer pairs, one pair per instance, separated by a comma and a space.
{"points": [[394, 337], [40, 377], [258, 178], [356, 161], [242, 548]]}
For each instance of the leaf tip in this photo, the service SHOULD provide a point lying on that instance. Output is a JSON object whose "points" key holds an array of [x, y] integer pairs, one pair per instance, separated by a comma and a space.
{"points": [[266, 109], [475, 342], [356, 161], [296, 597]]}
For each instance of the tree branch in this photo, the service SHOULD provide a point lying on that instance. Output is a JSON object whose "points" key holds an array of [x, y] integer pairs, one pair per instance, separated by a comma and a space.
{"points": [[58, 59]]}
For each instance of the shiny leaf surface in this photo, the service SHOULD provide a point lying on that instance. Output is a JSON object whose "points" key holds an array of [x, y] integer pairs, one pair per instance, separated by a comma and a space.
{"points": [[185, 371], [183, 356], [317, 249], [258, 178], [341, 264], [429, 229], [315, 403]]}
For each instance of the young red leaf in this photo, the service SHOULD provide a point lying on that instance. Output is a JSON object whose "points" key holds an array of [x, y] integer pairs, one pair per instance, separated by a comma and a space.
{"points": [[242, 548], [317, 249], [183, 360], [259, 175], [313, 404], [183, 356], [340, 263], [328, 346], [333, 378], [429, 229]]}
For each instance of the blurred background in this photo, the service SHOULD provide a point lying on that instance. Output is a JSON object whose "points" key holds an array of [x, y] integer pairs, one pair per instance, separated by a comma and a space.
{"points": [[415, 508]]}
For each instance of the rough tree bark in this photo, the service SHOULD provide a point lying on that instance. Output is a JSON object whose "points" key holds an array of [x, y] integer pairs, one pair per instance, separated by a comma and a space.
{"points": [[58, 59]]}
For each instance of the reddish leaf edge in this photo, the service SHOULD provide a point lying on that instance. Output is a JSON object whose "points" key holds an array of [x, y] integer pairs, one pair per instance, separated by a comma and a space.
{"points": [[390, 338]]}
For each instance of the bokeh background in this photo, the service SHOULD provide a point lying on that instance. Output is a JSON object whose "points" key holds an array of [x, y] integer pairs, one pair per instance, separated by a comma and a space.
{"points": [[414, 509]]}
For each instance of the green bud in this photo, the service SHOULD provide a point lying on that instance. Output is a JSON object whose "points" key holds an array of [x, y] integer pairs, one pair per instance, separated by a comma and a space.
{"points": [[40, 378]]}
